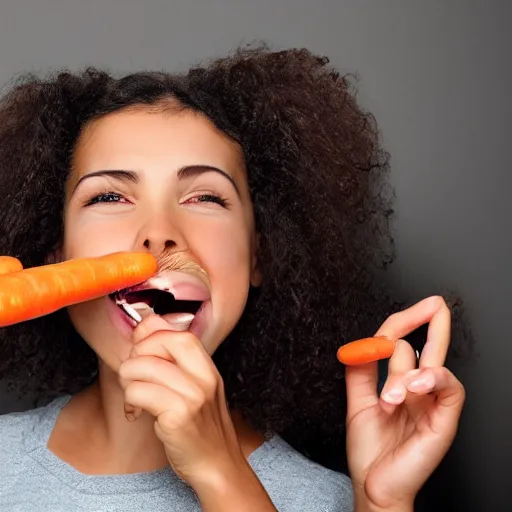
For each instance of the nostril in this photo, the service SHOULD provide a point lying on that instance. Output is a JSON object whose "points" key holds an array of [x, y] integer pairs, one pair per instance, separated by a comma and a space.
{"points": [[168, 244]]}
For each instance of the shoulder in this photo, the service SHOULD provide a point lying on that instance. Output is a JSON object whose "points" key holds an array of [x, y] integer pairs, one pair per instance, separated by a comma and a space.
{"points": [[19, 428], [15, 424], [295, 482]]}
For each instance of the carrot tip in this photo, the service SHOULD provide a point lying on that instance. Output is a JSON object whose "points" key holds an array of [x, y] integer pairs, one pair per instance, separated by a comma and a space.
{"points": [[38, 291]]}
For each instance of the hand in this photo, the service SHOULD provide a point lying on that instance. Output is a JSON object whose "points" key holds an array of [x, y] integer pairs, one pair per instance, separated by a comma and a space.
{"points": [[395, 441], [170, 375]]}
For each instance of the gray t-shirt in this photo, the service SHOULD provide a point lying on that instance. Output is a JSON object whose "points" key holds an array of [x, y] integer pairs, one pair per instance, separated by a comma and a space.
{"points": [[33, 478]]}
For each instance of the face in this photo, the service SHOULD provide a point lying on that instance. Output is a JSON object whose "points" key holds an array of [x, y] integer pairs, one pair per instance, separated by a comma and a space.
{"points": [[168, 183]]}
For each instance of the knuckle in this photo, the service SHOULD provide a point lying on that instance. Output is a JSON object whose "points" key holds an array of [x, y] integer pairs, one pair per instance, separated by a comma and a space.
{"points": [[396, 316], [189, 339], [210, 392], [211, 382], [132, 392], [439, 302], [183, 339], [198, 397], [122, 372], [124, 369], [179, 417], [462, 392]]}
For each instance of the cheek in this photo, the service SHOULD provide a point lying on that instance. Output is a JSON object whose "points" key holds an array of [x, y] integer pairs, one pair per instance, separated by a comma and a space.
{"points": [[227, 252], [94, 326], [88, 239]]}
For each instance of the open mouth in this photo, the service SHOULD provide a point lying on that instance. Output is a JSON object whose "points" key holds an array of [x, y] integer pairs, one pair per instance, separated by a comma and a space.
{"points": [[160, 302], [175, 296]]}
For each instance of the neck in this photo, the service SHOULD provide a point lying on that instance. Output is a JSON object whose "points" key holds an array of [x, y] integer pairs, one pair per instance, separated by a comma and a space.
{"points": [[135, 443], [93, 435]]}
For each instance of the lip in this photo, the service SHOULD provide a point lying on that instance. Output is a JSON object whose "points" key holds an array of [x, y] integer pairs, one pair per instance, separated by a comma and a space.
{"points": [[120, 320], [201, 320]]}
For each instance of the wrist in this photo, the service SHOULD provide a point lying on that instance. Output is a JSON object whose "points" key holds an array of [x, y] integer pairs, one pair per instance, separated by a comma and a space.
{"points": [[367, 507], [363, 504], [232, 487]]}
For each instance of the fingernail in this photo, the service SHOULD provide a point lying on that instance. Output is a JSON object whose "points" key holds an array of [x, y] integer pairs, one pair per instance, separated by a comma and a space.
{"points": [[418, 383], [393, 395], [131, 413], [421, 383]]}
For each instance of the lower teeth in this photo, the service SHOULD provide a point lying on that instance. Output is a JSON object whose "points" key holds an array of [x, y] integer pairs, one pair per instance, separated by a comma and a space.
{"points": [[132, 310]]}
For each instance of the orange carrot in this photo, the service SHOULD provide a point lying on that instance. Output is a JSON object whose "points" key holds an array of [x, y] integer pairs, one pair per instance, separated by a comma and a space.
{"points": [[366, 350], [38, 291], [9, 264]]}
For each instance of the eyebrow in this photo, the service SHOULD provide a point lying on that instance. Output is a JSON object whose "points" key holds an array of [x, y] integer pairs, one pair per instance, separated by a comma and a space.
{"points": [[188, 171], [114, 173]]}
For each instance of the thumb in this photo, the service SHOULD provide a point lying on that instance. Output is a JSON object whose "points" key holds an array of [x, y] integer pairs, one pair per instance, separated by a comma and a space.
{"points": [[361, 384]]}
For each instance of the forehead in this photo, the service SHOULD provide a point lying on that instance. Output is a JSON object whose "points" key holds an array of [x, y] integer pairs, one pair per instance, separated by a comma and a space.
{"points": [[136, 138]]}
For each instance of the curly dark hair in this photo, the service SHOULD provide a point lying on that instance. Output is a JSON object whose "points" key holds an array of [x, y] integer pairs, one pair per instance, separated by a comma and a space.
{"points": [[316, 173]]}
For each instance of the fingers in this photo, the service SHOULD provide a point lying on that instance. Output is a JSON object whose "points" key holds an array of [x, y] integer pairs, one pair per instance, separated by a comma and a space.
{"points": [[438, 337], [402, 361], [361, 381], [449, 400], [155, 337], [166, 359], [432, 310], [155, 399], [439, 380], [445, 394], [402, 323], [361, 385], [155, 370]]}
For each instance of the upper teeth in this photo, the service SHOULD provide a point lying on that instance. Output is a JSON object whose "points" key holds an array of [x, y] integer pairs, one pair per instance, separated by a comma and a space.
{"points": [[160, 283]]}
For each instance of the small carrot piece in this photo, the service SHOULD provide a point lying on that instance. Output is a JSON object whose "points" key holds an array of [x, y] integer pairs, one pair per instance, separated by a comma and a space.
{"points": [[38, 291], [366, 350], [9, 264]]}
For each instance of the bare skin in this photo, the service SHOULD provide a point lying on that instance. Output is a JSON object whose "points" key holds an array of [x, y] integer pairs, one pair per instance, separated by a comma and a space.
{"points": [[182, 190], [85, 445], [159, 189]]}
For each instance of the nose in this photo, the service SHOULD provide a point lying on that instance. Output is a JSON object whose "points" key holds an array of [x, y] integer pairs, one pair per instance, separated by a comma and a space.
{"points": [[160, 236]]}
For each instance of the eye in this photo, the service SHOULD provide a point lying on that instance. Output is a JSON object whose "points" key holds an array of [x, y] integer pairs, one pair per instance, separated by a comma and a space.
{"points": [[208, 198], [105, 197]]}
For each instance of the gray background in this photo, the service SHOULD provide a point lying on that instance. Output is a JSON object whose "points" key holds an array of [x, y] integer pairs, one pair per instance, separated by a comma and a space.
{"points": [[436, 75]]}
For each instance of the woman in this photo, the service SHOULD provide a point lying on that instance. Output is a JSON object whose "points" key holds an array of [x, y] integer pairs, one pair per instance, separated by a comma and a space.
{"points": [[258, 172]]}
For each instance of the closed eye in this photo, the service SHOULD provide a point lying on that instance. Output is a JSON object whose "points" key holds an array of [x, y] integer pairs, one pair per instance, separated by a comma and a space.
{"points": [[113, 197], [208, 198], [106, 197]]}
